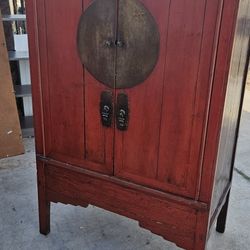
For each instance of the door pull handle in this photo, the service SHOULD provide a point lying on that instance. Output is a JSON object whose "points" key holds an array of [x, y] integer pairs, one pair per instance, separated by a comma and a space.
{"points": [[122, 112], [106, 108]]}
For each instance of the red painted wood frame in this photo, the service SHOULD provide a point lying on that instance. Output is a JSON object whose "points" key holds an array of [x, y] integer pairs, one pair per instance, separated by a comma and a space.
{"points": [[164, 169]]}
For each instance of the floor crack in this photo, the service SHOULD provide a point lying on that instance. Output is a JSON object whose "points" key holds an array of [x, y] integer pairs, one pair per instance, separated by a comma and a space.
{"points": [[246, 177]]}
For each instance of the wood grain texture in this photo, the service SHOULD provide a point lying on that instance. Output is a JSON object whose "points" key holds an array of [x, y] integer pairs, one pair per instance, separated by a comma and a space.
{"points": [[232, 104], [10, 131], [164, 143], [98, 140], [65, 89], [218, 98], [72, 131], [173, 164], [223, 122], [35, 73], [201, 231], [136, 150], [127, 184], [158, 215], [232, 110]]}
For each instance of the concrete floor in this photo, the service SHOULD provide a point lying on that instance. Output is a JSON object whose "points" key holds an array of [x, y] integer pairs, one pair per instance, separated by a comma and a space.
{"points": [[96, 229]]}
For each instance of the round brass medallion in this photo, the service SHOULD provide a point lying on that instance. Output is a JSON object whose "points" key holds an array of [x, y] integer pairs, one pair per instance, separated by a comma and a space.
{"points": [[118, 44]]}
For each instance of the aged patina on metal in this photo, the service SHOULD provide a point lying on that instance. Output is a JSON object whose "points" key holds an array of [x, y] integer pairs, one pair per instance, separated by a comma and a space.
{"points": [[118, 42], [96, 37], [106, 108], [122, 112]]}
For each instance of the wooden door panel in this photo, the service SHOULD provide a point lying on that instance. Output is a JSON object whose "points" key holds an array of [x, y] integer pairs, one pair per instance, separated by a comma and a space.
{"points": [[65, 79], [71, 96], [179, 96], [98, 140], [162, 147], [137, 148], [163, 143]]}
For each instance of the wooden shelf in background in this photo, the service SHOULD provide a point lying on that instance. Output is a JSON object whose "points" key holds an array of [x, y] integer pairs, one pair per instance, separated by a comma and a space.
{"points": [[22, 90], [27, 126], [13, 18], [18, 55]]}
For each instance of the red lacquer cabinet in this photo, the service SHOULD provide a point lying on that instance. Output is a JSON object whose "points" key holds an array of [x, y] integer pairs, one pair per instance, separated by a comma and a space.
{"points": [[137, 106]]}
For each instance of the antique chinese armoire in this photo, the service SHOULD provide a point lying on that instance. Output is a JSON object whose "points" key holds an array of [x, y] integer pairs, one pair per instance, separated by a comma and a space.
{"points": [[137, 106]]}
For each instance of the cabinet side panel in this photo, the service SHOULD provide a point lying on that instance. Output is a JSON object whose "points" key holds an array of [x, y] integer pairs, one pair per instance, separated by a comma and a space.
{"points": [[226, 102], [99, 139], [232, 107], [35, 75]]}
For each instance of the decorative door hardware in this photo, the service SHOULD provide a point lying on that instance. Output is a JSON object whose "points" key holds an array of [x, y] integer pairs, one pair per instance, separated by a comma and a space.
{"points": [[122, 112], [106, 108], [95, 40], [151, 152], [118, 51]]}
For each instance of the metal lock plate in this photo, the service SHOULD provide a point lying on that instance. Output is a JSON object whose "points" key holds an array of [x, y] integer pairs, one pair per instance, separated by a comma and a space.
{"points": [[106, 108], [122, 112]]}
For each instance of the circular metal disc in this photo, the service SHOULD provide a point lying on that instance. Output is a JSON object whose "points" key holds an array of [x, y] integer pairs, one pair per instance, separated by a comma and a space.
{"points": [[97, 26], [118, 46]]}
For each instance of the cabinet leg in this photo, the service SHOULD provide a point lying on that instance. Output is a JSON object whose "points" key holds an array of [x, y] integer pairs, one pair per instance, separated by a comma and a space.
{"points": [[201, 231], [43, 203], [44, 217], [221, 221]]}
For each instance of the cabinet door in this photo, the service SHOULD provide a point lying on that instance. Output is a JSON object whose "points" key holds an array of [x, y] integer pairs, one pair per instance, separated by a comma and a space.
{"points": [[162, 146], [154, 55], [71, 96]]}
